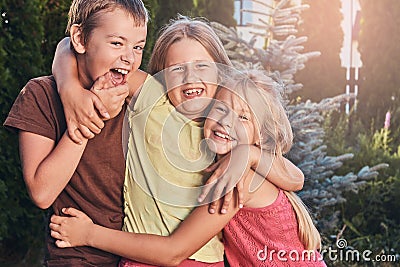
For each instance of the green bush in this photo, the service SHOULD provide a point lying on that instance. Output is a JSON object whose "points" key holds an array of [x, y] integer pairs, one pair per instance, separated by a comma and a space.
{"points": [[26, 50], [369, 218]]}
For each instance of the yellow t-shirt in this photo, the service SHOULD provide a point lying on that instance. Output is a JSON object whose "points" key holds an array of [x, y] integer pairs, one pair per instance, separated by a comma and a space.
{"points": [[164, 164]]}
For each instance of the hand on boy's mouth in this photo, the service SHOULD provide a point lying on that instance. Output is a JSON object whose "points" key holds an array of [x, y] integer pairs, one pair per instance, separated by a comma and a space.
{"points": [[109, 80], [118, 76]]}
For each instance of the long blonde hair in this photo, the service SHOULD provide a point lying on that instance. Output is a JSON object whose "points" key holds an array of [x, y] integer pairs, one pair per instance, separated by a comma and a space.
{"points": [[264, 98], [308, 233]]}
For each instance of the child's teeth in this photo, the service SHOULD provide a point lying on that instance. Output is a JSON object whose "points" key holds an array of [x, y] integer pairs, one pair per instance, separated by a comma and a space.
{"points": [[122, 71], [222, 135], [191, 91]]}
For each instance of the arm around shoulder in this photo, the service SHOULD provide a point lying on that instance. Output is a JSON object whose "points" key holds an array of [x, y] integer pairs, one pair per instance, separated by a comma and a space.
{"points": [[277, 169]]}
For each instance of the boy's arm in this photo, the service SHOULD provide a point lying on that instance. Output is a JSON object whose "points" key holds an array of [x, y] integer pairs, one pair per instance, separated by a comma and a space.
{"points": [[79, 230], [47, 167], [79, 104]]}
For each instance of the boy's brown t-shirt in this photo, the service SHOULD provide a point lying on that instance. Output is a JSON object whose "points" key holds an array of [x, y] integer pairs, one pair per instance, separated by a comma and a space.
{"points": [[96, 185]]}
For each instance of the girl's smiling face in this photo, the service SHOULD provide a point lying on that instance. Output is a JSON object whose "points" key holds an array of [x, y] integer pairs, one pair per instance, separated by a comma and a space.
{"points": [[229, 123], [191, 77]]}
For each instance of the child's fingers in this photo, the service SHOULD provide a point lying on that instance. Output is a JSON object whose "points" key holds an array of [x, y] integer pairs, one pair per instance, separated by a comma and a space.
{"points": [[55, 234], [212, 207], [240, 188], [212, 167], [93, 127], [56, 219], [84, 132], [93, 117], [121, 90], [73, 212], [208, 186], [101, 109], [101, 82], [62, 244], [76, 138], [54, 227], [219, 190], [227, 200]]}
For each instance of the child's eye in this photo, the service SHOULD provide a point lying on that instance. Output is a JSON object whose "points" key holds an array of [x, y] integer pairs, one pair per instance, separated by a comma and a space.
{"points": [[244, 117], [138, 48], [177, 68], [202, 65], [221, 109], [116, 43]]}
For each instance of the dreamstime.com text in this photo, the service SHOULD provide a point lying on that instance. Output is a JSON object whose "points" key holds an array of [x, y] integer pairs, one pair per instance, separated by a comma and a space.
{"points": [[341, 253]]}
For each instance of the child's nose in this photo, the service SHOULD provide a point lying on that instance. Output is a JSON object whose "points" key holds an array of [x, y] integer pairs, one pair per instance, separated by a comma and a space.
{"points": [[190, 75], [129, 56], [226, 120]]}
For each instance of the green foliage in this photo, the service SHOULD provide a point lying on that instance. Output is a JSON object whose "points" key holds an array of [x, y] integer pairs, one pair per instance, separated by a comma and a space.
{"points": [[212, 11], [54, 13], [380, 54], [370, 218], [323, 77], [152, 30], [20, 54]]}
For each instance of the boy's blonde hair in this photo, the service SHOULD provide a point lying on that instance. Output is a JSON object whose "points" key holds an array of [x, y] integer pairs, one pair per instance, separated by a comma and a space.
{"points": [[183, 27], [86, 13], [264, 98]]}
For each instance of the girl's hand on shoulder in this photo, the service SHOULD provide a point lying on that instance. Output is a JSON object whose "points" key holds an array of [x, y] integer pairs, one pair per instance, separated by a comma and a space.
{"points": [[229, 173], [71, 231], [112, 95]]}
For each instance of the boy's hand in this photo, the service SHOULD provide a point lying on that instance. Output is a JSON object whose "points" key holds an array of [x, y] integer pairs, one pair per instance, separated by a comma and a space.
{"points": [[71, 231], [229, 172], [112, 95], [81, 115]]}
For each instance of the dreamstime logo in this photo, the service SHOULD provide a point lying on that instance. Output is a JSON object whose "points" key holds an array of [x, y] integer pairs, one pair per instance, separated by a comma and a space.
{"points": [[285, 255], [342, 253]]}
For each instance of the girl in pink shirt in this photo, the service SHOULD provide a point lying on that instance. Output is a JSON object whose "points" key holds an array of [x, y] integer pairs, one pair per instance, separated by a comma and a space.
{"points": [[273, 228]]}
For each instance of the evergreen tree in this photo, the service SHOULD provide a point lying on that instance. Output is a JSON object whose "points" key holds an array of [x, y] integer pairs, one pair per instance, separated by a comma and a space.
{"points": [[152, 30], [55, 13], [380, 53], [21, 59], [161, 12], [169, 9], [324, 76], [217, 10]]}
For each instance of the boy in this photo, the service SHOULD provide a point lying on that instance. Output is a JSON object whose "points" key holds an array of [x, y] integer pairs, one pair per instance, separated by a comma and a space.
{"points": [[108, 38]]}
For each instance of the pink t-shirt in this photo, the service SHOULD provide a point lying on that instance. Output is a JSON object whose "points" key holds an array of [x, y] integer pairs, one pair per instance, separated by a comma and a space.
{"points": [[267, 236]]}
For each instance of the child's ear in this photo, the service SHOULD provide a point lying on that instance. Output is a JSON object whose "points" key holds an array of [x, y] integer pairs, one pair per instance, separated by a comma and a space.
{"points": [[77, 38]]}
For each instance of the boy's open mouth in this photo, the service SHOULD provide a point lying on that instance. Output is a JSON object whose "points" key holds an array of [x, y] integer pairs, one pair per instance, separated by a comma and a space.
{"points": [[118, 76]]}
